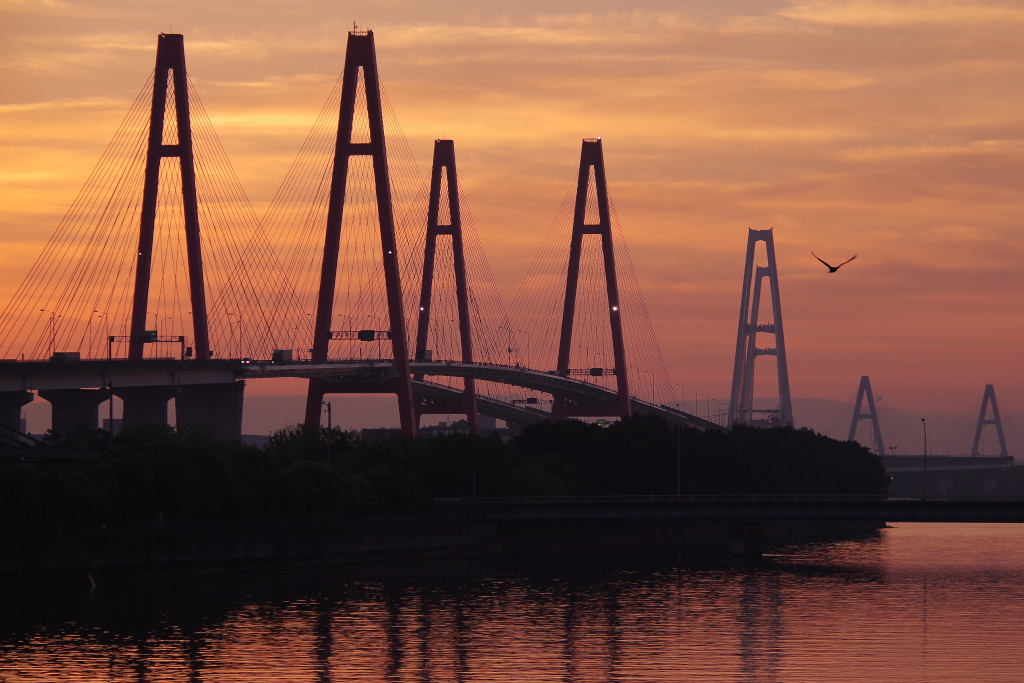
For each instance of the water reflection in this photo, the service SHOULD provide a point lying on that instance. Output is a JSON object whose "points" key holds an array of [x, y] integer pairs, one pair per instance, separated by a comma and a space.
{"points": [[760, 632], [916, 603]]}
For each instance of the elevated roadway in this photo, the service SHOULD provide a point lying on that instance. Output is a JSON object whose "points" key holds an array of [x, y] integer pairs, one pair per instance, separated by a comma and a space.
{"points": [[149, 383]]}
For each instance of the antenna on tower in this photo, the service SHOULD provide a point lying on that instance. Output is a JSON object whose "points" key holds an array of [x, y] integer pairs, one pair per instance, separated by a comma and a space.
{"points": [[986, 399], [872, 414], [741, 404]]}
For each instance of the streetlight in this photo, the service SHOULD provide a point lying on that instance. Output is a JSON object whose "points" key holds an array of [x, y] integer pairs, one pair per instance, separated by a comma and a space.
{"points": [[89, 328], [239, 332], [924, 426], [683, 402], [53, 329], [329, 427], [527, 346]]}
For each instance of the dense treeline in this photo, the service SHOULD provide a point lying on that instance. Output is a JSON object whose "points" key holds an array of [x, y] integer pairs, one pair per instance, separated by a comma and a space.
{"points": [[153, 473]]}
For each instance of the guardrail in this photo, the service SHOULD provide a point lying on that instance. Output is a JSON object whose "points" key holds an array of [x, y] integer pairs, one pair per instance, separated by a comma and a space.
{"points": [[709, 498]]}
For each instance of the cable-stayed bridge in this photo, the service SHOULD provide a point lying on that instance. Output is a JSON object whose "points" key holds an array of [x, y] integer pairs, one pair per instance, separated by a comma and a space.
{"points": [[161, 283]]}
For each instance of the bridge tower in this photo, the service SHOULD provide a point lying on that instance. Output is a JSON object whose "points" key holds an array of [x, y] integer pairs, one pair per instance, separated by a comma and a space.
{"points": [[989, 398], [360, 54], [741, 403], [865, 392], [444, 191], [170, 69], [592, 161]]}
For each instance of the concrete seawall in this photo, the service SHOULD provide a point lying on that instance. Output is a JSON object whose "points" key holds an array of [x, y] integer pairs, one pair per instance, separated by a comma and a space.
{"points": [[85, 554]]}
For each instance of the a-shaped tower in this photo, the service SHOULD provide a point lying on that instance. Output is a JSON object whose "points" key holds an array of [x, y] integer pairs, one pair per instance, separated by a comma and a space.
{"points": [[444, 191], [592, 161], [876, 430], [360, 55], [170, 70], [989, 398]]}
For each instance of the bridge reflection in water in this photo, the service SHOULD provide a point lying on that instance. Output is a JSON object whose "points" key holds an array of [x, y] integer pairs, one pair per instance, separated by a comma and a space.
{"points": [[916, 603]]}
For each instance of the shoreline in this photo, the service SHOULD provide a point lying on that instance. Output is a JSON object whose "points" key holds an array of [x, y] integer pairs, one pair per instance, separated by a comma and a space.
{"points": [[85, 555]]}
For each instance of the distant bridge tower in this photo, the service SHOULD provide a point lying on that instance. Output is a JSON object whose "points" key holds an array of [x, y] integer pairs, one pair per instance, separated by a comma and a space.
{"points": [[592, 160], [360, 54], [989, 398], [170, 66], [865, 392], [741, 408], [443, 173]]}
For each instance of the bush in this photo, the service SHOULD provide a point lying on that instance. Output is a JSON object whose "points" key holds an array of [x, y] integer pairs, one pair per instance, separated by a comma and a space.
{"points": [[153, 473]]}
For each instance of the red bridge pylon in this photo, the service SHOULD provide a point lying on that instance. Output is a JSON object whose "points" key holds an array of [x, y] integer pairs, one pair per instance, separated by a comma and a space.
{"points": [[170, 65], [443, 175], [361, 55], [592, 160]]}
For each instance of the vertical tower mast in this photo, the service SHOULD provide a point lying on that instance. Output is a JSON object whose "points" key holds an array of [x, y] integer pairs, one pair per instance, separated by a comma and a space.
{"points": [[361, 54], [741, 408], [444, 166], [592, 157], [989, 398], [872, 414], [170, 67]]}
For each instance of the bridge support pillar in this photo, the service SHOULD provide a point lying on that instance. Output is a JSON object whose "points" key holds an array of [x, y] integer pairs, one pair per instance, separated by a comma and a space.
{"points": [[145, 405], [74, 407], [10, 407], [745, 540], [213, 407]]}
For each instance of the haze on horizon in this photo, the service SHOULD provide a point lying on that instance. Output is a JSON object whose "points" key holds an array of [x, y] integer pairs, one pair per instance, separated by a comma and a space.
{"points": [[888, 129]]}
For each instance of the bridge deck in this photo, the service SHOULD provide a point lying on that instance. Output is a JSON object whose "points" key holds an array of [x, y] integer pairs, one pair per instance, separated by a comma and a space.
{"points": [[122, 373]]}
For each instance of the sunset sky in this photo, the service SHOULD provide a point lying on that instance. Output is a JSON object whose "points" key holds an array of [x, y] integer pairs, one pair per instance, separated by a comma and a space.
{"points": [[894, 130]]}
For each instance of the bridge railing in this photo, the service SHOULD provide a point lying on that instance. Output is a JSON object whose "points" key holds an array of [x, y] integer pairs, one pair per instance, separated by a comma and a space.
{"points": [[708, 498]]}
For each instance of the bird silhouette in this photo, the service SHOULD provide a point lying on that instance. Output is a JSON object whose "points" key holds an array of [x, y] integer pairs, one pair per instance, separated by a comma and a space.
{"points": [[831, 268]]}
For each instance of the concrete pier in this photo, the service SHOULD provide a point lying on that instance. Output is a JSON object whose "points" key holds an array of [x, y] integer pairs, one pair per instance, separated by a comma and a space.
{"points": [[10, 407], [216, 408], [145, 405], [74, 407]]}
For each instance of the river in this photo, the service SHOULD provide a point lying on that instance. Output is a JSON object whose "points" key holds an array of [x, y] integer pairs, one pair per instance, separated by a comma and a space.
{"points": [[920, 602]]}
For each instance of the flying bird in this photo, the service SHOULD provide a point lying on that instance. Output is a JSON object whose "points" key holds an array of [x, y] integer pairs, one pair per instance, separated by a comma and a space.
{"points": [[832, 268]]}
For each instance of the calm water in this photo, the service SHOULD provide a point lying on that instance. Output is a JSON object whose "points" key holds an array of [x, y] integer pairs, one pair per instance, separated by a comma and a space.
{"points": [[917, 603]]}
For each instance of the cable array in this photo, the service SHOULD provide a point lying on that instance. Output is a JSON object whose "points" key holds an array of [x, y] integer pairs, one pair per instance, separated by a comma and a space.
{"points": [[537, 309], [489, 324], [79, 291], [296, 222]]}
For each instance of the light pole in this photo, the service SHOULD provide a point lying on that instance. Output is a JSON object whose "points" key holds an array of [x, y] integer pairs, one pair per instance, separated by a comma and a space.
{"points": [[53, 329], [472, 442], [239, 332], [329, 429], [527, 347], [679, 460], [89, 328], [924, 426]]}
